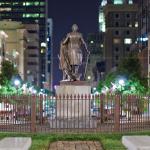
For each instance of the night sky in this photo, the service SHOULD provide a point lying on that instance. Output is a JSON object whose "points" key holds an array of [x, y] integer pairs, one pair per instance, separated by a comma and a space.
{"points": [[67, 12]]}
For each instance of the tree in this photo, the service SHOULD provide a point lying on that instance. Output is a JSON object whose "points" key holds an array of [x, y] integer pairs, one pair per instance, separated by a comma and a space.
{"points": [[7, 71], [129, 69], [107, 82]]}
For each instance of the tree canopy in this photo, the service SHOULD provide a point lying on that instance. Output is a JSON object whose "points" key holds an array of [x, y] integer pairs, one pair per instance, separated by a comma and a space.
{"points": [[130, 70], [7, 72]]}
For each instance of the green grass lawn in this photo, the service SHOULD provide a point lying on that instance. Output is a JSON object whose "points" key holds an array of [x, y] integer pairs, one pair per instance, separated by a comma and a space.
{"points": [[41, 141]]}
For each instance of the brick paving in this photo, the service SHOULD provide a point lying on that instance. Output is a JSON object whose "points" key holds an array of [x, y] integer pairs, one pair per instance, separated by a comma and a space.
{"points": [[75, 145]]}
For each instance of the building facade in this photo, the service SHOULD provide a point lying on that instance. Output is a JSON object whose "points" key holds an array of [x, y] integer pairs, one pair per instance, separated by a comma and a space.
{"points": [[21, 48], [29, 12], [121, 32], [31, 56], [49, 55], [3, 37], [144, 37]]}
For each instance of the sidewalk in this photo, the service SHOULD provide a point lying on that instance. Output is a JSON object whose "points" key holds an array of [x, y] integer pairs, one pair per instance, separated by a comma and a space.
{"points": [[75, 145]]}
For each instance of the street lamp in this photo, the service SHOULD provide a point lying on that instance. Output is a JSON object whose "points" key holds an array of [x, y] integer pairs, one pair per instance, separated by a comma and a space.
{"points": [[17, 84], [122, 83]]}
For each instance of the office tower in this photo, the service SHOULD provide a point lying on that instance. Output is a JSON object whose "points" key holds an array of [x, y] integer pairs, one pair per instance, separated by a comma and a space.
{"points": [[29, 12], [31, 57], [102, 26], [49, 55], [19, 48], [3, 37], [121, 31], [143, 42], [101, 19]]}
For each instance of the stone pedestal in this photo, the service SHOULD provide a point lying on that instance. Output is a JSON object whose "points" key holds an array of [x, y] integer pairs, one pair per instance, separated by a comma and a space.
{"points": [[74, 101]]}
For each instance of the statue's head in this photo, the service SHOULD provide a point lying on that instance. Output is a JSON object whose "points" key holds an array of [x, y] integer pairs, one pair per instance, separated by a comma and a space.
{"points": [[74, 27]]}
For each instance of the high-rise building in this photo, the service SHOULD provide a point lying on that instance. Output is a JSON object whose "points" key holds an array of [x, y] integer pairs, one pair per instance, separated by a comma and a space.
{"points": [[29, 12], [121, 31], [32, 61], [21, 48], [49, 55], [101, 20], [102, 27], [143, 42], [3, 37]]}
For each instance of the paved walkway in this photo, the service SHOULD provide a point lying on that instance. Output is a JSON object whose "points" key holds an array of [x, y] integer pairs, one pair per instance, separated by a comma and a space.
{"points": [[75, 145]]}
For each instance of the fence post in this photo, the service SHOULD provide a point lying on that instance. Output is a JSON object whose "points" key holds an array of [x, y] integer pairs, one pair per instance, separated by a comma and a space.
{"points": [[41, 109], [33, 114], [117, 113], [102, 108]]}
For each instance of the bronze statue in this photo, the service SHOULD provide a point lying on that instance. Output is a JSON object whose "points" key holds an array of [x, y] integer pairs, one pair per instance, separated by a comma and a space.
{"points": [[71, 54]]}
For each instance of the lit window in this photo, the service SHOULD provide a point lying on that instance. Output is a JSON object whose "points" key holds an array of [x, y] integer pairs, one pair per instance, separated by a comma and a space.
{"points": [[130, 25], [130, 1], [15, 3], [42, 15], [42, 51], [5, 9], [118, 2], [136, 24], [30, 3], [43, 44], [47, 39], [36, 3], [102, 45], [116, 41], [104, 2], [91, 42], [127, 41], [36, 15], [102, 25], [42, 3], [5, 3], [143, 39]]}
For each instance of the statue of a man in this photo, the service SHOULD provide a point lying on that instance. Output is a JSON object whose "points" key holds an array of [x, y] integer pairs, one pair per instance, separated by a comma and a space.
{"points": [[73, 52]]}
